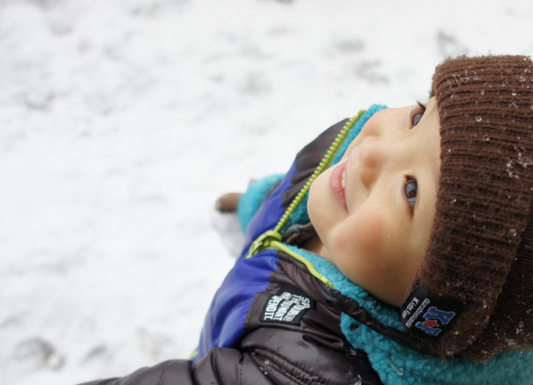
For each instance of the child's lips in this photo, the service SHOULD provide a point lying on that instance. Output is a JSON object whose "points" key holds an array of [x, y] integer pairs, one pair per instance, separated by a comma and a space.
{"points": [[337, 183]]}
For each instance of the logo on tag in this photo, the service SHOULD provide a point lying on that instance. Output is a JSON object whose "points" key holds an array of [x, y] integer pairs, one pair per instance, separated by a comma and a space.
{"points": [[427, 315], [287, 306]]}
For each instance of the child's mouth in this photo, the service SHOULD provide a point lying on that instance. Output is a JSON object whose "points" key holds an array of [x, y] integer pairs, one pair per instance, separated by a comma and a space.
{"points": [[337, 182]]}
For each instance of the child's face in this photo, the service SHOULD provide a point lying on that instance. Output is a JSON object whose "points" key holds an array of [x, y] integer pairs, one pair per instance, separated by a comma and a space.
{"points": [[376, 228]]}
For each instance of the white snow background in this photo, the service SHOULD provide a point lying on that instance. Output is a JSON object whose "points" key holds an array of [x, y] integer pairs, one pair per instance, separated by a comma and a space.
{"points": [[122, 121]]}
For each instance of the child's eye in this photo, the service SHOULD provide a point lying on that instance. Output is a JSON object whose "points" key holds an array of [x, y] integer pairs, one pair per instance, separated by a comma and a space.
{"points": [[417, 117], [410, 193]]}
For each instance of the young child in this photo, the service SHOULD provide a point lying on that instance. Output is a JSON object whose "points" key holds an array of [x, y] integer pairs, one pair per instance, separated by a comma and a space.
{"points": [[396, 250]]}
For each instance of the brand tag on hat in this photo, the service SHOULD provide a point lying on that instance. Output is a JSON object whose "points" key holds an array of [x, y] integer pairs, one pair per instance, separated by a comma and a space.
{"points": [[428, 315], [287, 306]]}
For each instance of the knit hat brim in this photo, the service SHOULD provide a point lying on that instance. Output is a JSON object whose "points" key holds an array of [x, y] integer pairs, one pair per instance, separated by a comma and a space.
{"points": [[481, 236]]}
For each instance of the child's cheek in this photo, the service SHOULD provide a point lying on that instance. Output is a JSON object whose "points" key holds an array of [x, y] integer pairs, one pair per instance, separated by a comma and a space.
{"points": [[370, 255], [367, 236]]}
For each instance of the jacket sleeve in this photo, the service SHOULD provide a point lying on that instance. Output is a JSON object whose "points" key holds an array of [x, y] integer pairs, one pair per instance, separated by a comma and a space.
{"points": [[221, 366]]}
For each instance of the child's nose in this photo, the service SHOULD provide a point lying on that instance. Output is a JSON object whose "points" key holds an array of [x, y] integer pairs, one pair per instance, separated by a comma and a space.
{"points": [[371, 160], [384, 145]]}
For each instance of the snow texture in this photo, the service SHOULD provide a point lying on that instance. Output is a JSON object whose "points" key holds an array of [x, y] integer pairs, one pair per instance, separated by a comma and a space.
{"points": [[122, 121]]}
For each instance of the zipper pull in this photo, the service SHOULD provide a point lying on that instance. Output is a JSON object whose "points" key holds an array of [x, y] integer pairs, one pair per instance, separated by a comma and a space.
{"points": [[263, 241]]}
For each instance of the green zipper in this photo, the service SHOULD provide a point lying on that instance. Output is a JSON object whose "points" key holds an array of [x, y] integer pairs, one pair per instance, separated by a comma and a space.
{"points": [[272, 239]]}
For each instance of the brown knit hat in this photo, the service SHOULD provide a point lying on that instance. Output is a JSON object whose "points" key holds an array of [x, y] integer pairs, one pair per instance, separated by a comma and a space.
{"points": [[473, 294]]}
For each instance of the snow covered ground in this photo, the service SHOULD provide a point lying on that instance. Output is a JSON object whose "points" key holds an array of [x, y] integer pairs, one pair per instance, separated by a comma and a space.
{"points": [[121, 121]]}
